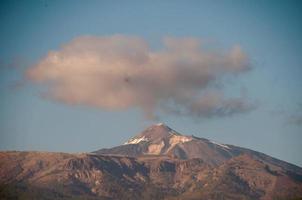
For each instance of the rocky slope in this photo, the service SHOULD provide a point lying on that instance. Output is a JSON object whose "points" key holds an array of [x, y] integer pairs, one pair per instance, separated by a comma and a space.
{"points": [[150, 166], [160, 139]]}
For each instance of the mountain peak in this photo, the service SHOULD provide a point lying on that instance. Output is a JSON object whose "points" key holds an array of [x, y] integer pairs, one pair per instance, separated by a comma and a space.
{"points": [[160, 127], [160, 139], [154, 133]]}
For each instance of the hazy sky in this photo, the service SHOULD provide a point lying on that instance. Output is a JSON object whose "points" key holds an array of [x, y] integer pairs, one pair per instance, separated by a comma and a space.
{"points": [[82, 75]]}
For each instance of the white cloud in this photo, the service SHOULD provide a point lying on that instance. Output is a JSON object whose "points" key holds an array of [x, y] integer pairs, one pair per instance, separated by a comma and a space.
{"points": [[120, 72]]}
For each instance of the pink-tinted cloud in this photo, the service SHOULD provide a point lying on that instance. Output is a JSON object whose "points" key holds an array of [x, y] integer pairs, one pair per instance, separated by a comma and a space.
{"points": [[121, 72]]}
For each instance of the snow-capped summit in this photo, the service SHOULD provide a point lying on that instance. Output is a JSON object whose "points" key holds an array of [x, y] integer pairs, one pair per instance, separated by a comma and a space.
{"points": [[153, 134], [160, 139]]}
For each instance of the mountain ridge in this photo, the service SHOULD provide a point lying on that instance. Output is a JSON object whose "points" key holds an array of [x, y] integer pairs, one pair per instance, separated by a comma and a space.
{"points": [[158, 163], [161, 136]]}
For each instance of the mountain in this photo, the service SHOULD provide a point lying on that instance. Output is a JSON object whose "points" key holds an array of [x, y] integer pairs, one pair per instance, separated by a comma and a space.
{"points": [[162, 140], [158, 163]]}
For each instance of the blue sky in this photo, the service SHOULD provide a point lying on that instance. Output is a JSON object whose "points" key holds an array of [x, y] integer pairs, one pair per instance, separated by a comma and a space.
{"points": [[269, 32]]}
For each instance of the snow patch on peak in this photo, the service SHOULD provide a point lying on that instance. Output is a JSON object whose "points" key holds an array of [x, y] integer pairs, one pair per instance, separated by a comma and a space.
{"points": [[136, 140], [175, 139], [160, 124], [221, 145]]}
